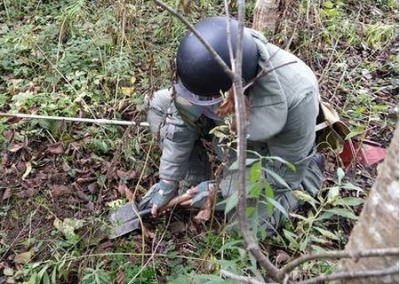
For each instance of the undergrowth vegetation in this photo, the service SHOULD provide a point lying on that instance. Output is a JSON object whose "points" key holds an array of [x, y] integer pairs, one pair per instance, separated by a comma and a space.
{"points": [[100, 59]]}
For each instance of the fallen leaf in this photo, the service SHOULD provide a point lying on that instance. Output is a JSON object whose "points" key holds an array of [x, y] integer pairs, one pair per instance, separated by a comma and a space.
{"points": [[55, 149], [8, 135], [68, 226], [7, 194], [65, 166], [16, 147], [105, 246], [86, 179], [27, 193], [92, 187], [82, 195], [121, 277], [203, 216], [115, 203], [122, 104], [186, 6], [127, 91], [8, 271], [60, 190], [24, 257], [177, 227], [125, 191], [126, 175], [27, 171], [192, 228], [148, 233], [206, 210], [282, 257], [10, 280]]}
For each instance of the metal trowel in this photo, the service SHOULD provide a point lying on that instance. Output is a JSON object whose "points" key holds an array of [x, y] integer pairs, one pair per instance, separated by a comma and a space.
{"points": [[127, 218]]}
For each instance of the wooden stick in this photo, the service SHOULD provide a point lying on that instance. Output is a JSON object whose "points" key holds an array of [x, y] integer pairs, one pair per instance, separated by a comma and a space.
{"points": [[86, 120], [177, 201]]}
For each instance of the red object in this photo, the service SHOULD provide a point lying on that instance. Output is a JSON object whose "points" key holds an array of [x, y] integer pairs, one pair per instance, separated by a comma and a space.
{"points": [[365, 153]]}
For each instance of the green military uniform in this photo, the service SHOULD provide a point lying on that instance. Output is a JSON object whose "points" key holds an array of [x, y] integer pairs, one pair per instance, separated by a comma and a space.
{"points": [[281, 123]]}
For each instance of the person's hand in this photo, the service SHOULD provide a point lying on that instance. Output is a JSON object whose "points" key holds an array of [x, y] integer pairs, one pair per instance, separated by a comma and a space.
{"points": [[199, 194], [159, 195]]}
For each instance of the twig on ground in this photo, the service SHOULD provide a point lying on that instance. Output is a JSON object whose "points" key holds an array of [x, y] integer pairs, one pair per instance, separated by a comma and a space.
{"points": [[242, 279], [74, 119]]}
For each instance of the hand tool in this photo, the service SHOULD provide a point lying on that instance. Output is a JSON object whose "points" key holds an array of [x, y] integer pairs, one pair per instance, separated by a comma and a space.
{"points": [[127, 218]]}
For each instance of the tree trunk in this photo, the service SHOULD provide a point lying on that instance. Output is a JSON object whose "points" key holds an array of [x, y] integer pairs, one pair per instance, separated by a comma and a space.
{"points": [[266, 14], [378, 226]]}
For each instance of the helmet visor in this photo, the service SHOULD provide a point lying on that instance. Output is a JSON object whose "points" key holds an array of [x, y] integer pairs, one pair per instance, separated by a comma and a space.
{"points": [[195, 99]]}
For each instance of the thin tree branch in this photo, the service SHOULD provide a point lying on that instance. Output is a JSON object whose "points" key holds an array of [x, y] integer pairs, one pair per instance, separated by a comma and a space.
{"points": [[337, 254], [240, 113], [264, 72], [242, 279], [353, 274], [76, 119]]}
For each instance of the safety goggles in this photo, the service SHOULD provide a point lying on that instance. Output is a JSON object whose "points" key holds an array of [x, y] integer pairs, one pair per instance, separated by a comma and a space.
{"points": [[195, 99]]}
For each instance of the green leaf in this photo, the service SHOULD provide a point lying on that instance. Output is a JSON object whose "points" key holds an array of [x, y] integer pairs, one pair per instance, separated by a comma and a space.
{"points": [[46, 278], [292, 238], [269, 194], [250, 210], [234, 244], [276, 178], [235, 166], [286, 163], [231, 202], [325, 215], [316, 239], [340, 173], [327, 233], [302, 195], [293, 215], [343, 213], [304, 243], [34, 278], [276, 205], [254, 190], [328, 4], [255, 172], [333, 193], [349, 201], [44, 123], [42, 272], [317, 248], [350, 186], [209, 278], [54, 275], [353, 134]]}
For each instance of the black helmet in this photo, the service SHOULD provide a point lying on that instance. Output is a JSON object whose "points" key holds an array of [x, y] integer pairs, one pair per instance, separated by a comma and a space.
{"points": [[197, 70]]}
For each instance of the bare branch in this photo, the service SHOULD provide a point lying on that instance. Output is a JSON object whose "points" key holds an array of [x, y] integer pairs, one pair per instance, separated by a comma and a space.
{"points": [[264, 72], [240, 111], [353, 274], [74, 119], [337, 254], [242, 279]]}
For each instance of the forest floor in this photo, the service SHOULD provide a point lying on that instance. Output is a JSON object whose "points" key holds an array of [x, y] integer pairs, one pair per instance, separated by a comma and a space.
{"points": [[59, 180]]}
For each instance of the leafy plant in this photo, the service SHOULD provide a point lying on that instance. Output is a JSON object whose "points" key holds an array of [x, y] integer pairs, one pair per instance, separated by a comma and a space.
{"points": [[312, 232]]}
